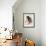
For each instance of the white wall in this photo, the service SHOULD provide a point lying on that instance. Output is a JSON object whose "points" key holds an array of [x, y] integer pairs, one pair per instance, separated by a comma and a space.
{"points": [[29, 6], [6, 13], [43, 22]]}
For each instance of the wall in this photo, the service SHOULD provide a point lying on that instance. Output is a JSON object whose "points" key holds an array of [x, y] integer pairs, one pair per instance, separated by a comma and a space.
{"points": [[6, 13], [43, 22], [28, 6]]}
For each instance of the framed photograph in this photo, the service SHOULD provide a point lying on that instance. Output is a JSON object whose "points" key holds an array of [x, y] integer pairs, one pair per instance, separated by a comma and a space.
{"points": [[29, 20]]}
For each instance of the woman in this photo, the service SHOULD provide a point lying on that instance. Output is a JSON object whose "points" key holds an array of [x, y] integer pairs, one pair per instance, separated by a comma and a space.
{"points": [[28, 20]]}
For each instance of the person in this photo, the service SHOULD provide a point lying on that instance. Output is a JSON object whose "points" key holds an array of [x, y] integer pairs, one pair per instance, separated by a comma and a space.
{"points": [[28, 20]]}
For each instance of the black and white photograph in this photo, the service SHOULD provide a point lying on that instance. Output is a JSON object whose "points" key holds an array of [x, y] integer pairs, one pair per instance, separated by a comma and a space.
{"points": [[29, 19]]}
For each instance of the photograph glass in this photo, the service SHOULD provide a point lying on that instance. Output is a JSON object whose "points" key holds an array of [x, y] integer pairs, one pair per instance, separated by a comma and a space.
{"points": [[29, 19]]}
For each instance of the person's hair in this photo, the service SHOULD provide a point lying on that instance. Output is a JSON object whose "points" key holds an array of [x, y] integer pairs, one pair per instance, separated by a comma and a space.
{"points": [[29, 19]]}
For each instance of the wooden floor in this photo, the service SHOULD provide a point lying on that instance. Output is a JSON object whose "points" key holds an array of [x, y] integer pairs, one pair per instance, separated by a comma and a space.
{"points": [[9, 43]]}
